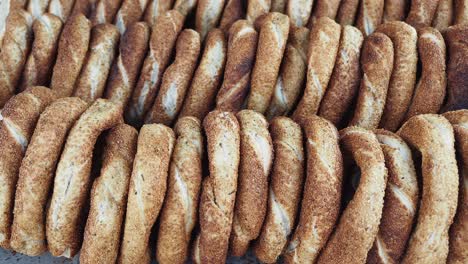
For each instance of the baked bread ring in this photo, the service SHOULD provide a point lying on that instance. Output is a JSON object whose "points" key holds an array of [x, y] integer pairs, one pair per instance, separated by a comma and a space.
{"points": [[108, 197], [40, 62], [377, 65], [242, 45], [285, 189], [61, 8], [208, 15], [7, 7], [299, 11], [19, 117], [126, 69], [207, 78], [369, 16], [403, 79], [37, 172], [444, 16], [322, 191], [358, 225], [219, 188], [71, 54], [458, 241], [347, 12], [457, 67], [257, 8], [401, 200], [72, 178], [461, 12], [155, 8], [256, 159], [185, 6], [345, 79], [233, 11], [432, 136], [422, 13], [323, 49], [430, 91], [14, 52], [162, 42], [176, 80], [180, 210], [292, 74], [272, 40], [104, 11], [395, 10], [130, 11], [92, 80], [146, 192]]}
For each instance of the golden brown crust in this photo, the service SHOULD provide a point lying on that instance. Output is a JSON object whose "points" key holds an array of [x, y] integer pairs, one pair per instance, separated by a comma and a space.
{"points": [[162, 42], [347, 12], [443, 17], [37, 172], [461, 12], [40, 62], [345, 79], [72, 49], [208, 15], [242, 46], [72, 178], [430, 91], [395, 10], [401, 200], [456, 38], [233, 11], [176, 80], [126, 69], [359, 222], [8, 7], [185, 6], [179, 213], [323, 48], [403, 78], [299, 11], [370, 15], [207, 78], [219, 188], [292, 74], [256, 159], [432, 136], [257, 8], [19, 117], [108, 197], [377, 64], [61, 8], [325, 8], [322, 191], [156, 8], [285, 189], [271, 45], [459, 229], [130, 11], [278, 6], [14, 52], [422, 13], [104, 11], [92, 80], [85, 7], [146, 191]]}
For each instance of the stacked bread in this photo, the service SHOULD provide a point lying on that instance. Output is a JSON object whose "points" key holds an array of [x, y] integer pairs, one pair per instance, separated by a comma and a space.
{"points": [[302, 131]]}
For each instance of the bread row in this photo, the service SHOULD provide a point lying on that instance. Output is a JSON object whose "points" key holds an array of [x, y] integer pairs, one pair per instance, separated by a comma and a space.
{"points": [[304, 191]]}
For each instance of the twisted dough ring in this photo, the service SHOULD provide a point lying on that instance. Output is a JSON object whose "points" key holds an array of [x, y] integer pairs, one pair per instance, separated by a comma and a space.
{"points": [[207, 16], [37, 172], [130, 11], [401, 200], [155, 8], [370, 15], [19, 117], [72, 177], [359, 222], [285, 189], [322, 191], [432, 136], [459, 229], [422, 13]]}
